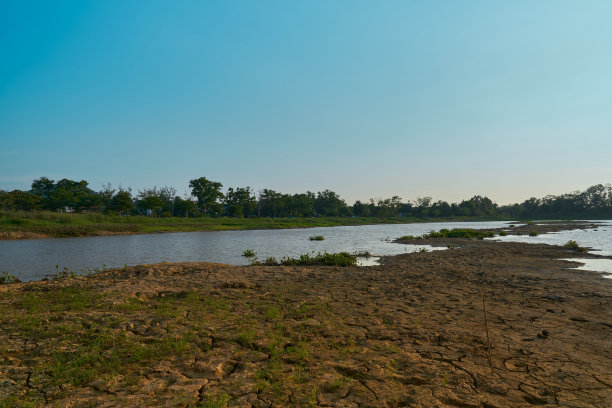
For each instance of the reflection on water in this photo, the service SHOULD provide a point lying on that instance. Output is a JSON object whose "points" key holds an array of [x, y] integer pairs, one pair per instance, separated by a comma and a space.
{"points": [[33, 259]]}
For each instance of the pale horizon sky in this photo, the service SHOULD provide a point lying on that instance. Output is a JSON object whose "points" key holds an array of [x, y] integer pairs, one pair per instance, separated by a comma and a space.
{"points": [[369, 99]]}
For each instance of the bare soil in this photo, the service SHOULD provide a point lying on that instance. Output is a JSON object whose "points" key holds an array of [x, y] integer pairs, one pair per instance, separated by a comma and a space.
{"points": [[410, 333]]}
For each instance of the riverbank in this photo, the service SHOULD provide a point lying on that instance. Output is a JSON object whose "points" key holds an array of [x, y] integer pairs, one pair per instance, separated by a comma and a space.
{"points": [[37, 225], [411, 332]]}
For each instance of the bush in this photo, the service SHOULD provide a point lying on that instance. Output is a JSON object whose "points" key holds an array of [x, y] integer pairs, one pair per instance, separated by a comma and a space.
{"points": [[6, 278], [573, 245], [460, 233], [407, 238], [533, 233], [248, 253], [503, 233], [317, 238], [321, 259]]}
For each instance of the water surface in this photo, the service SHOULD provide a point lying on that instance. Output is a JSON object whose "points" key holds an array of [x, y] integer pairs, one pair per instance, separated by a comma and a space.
{"points": [[34, 259], [598, 240]]}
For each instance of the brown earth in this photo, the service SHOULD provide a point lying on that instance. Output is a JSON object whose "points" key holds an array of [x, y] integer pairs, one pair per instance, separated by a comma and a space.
{"points": [[410, 333]]}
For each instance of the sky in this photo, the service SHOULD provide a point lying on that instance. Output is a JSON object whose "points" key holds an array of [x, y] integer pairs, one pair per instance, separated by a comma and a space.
{"points": [[370, 99]]}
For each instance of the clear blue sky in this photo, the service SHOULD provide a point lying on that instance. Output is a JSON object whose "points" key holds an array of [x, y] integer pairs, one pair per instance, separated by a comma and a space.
{"points": [[367, 98]]}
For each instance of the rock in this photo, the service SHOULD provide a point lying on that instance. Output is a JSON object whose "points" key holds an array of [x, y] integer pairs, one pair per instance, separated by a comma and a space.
{"points": [[543, 334]]}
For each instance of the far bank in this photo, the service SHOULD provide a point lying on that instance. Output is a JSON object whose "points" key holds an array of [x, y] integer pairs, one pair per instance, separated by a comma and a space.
{"points": [[42, 224]]}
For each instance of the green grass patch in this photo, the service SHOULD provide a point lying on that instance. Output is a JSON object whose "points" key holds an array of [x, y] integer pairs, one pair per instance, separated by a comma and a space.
{"points": [[77, 225], [321, 259], [454, 233]]}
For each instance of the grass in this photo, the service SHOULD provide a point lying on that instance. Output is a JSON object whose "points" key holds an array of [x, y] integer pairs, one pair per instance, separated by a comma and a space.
{"points": [[76, 349], [321, 259], [51, 224], [454, 233], [317, 238]]}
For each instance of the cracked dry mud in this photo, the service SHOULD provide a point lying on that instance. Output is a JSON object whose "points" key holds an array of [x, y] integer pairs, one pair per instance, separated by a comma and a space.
{"points": [[410, 333]]}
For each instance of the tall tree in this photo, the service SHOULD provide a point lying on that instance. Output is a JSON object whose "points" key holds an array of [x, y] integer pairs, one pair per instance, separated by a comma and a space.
{"points": [[329, 203], [240, 202], [121, 202], [207, 193]]}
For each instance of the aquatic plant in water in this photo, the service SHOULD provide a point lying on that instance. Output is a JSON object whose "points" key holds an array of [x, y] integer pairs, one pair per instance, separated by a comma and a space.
{"points": [[248, 253]]}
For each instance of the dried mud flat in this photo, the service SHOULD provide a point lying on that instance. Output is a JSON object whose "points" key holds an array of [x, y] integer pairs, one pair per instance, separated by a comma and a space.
{"points": [[409, 333]]}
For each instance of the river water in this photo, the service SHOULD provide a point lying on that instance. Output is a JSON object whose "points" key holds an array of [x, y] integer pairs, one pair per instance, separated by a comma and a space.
{"points": [[36, 259], [598, 240]]}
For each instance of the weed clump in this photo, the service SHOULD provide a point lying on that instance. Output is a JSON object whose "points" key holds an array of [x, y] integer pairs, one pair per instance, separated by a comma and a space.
{"points": [[533, 233], [460, 233], [408, 238], [321, 259], [573, 245], [248, 253], [454, 233], [503, 233], [317, 238], [6, 278]]}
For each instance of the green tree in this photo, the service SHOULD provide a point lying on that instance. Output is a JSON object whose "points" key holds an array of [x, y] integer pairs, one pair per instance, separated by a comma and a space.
{"points": [[360, 209], [18, 200], [150, 201], [106, 194], [240, 202], [271, 203], [329, 203], [184, 207], [301, 205], [207, 193], [42, 186], [121, 202], [70, 193]]}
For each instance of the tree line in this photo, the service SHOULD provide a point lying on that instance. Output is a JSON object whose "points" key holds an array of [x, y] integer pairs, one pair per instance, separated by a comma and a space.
{"points": [[207, 198]]}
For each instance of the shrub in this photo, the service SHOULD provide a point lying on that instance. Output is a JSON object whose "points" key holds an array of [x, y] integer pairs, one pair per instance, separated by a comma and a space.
{"points": [[321, 259], [407, 238], [248, 253], [317, 238], [6, 278], [573, 245], [533, 233], [503, 233], [460, 233]]}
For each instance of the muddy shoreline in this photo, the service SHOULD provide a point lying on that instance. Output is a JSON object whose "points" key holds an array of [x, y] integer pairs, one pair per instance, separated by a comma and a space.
{"points": [[411, 332]]}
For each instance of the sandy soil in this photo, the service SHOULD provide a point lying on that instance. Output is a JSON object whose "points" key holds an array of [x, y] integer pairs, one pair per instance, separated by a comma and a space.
{"points": [[409, 333]]}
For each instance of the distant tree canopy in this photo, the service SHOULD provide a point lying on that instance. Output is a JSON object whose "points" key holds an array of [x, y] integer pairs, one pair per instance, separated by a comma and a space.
{"points": [[207, 199], [207, 193]]}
